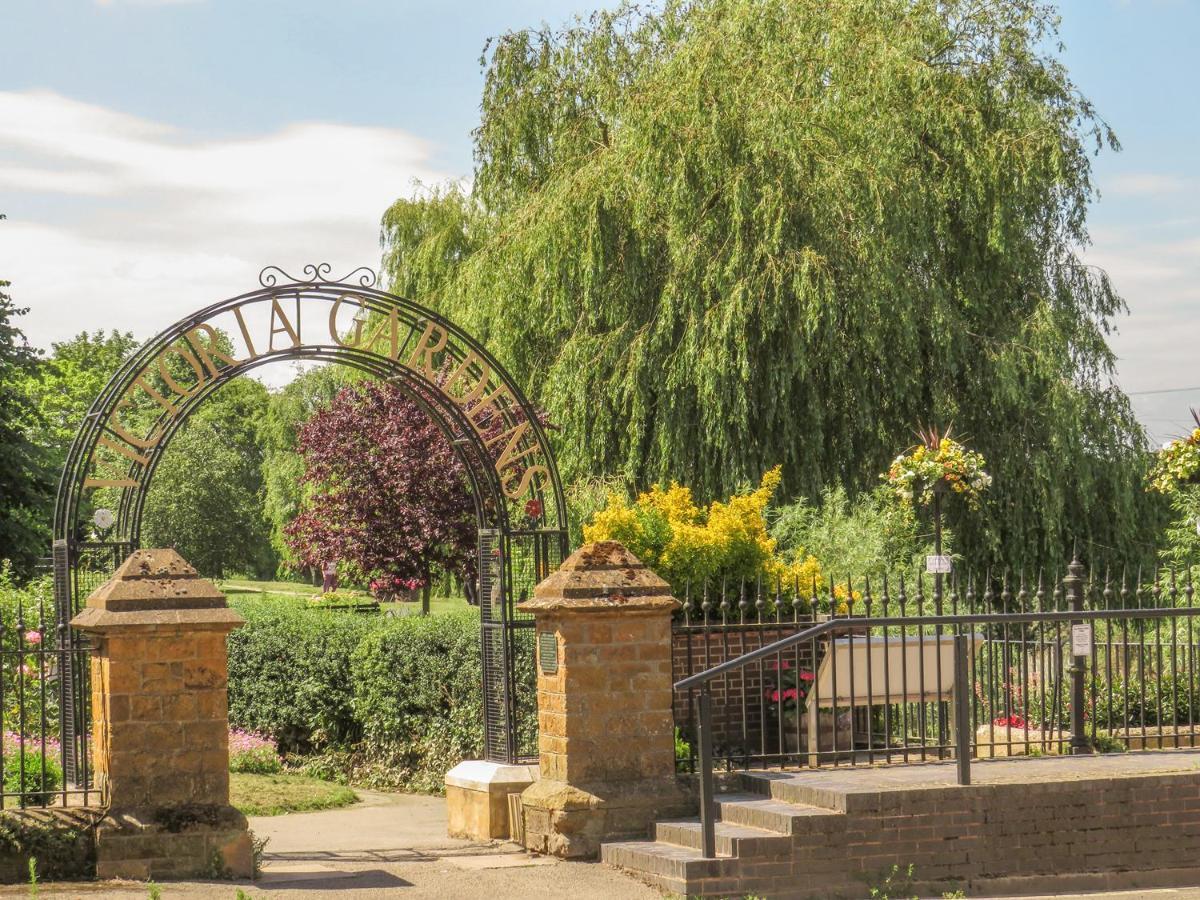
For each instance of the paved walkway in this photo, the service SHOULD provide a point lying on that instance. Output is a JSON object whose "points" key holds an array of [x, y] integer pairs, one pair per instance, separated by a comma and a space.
{"points": [[389, 846]]}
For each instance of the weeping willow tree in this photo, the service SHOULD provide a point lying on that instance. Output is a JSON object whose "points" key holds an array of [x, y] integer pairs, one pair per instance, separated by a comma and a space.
{"points": [[725, 234]]}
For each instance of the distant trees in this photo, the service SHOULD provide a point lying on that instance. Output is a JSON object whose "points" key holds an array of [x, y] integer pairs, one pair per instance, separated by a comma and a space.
{"points": [[70, 380], [283, 467], [207, 496], [26, 473], [727, 234]]}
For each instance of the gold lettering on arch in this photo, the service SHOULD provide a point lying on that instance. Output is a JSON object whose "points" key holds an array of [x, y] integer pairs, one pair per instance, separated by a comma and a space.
{"points": [[472, 385], [390, 325]]}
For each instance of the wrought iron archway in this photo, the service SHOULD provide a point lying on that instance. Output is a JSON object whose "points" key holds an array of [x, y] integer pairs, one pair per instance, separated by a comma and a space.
{"points": [[485, 415]]}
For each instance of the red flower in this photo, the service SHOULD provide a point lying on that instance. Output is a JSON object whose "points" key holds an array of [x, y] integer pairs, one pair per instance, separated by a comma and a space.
{"points": [[533, 508], [1013, 721], [807, 676], [788, 694]]}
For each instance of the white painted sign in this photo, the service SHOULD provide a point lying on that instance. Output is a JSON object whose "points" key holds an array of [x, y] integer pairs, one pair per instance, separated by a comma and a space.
{"points": [[1081, 640], [938, 564]]}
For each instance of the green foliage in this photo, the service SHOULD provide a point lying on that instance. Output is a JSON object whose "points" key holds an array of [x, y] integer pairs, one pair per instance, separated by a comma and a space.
{"points": [[867, 536], [683, 752], [586, 496], [388, 702], [341, 597], [31, 776], [417, 694], [1103, 743], [1183, 532], [282, 466], [1133, 702], [289, 673], [729, 233], [60, 848], [255, 761], [206, 499], [896, 884], [26, 469], [31, 606], [71, 380]]}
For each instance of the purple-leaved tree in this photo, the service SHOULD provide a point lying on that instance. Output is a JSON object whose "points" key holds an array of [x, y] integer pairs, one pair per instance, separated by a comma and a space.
{"points": [[389, 498]]}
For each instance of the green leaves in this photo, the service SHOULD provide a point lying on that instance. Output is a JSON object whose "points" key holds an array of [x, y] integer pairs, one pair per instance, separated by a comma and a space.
{"points": [[737, 233]]}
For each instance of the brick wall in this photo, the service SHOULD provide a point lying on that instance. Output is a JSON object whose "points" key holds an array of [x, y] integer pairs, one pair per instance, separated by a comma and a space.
{"points": [[739, 699]]}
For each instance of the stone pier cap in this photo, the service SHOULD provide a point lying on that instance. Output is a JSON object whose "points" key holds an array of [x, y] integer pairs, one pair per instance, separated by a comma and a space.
{"points": [[155, 588], [603, 576]]}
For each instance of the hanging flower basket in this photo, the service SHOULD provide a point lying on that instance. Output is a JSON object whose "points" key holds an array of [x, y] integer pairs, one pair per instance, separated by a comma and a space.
{"points": [[939, 464], [1177, 464]]}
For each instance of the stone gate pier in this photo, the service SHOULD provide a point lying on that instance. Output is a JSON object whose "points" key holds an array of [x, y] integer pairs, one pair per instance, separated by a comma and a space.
{"points": [[161, 723], [605, 728]]}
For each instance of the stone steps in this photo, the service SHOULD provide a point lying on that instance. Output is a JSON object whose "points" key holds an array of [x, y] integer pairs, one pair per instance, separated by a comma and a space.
{"points": [[1022, 827], [754, 832]]}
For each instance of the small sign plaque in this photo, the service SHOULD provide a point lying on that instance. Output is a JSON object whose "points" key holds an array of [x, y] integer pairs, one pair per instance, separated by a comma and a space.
{"points": [[940, 565], [1081, 639], [548, 652]]}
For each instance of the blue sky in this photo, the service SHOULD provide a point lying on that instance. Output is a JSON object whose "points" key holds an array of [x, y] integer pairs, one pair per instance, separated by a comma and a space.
{"points": [[155, 153]]}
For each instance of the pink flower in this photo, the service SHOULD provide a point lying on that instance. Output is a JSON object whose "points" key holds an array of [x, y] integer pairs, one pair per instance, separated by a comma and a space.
{"points": [[788, 694], [774, 664], [26, 670], [33, 637], [242, 741], [805, 675]]}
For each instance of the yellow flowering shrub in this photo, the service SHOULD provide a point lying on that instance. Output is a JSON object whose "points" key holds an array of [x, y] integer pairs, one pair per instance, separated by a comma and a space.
{"points": [[689, 545]]}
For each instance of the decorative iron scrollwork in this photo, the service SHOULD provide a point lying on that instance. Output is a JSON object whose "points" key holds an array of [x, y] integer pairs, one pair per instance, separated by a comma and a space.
{"points": [[317, 273]]}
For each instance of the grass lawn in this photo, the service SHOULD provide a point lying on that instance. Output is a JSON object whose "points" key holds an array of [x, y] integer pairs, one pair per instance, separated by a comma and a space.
{"points": [[274, 795], [436, 605]]}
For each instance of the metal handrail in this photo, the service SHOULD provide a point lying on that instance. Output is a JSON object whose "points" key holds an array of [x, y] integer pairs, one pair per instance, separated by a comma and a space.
{"points": [[961, 698]]}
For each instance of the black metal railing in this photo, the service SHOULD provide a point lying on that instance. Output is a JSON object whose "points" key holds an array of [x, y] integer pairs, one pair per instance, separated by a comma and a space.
{"points": [[998, 673], [36, 653]]}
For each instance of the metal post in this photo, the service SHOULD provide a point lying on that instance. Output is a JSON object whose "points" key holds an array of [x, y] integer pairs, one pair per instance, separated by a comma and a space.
{"points": [[1073, 585], [962, 708], [708, 827], [939, 488]]}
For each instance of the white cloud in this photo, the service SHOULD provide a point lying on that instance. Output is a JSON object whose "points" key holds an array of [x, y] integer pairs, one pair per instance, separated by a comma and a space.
{"points": [[120, 222], [1145, 184], [1155, 266]]}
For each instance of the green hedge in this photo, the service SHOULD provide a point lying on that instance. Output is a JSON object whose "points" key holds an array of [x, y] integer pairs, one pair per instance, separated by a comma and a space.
{"points": [[390, 702], [289, 674], [418, 697]]}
